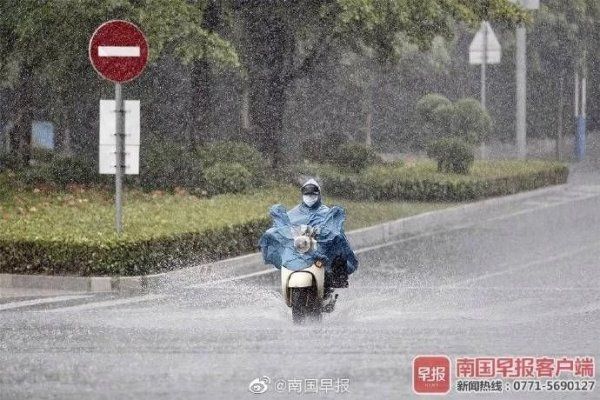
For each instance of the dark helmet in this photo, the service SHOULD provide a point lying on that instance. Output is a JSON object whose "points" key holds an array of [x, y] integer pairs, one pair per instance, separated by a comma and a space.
{"points": [[310, 187]]}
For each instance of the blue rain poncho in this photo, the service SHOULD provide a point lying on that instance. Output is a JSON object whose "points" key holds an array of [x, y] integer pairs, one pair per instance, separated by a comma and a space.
{"points": [[277, 243]]}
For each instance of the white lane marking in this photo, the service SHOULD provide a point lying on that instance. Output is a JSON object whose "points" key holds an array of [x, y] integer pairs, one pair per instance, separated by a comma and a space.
{"points": [[475, 288], [118, 51], [557, 200], [234, 278], [588, 188], [522, 266], [27, 303], [110, 303]]}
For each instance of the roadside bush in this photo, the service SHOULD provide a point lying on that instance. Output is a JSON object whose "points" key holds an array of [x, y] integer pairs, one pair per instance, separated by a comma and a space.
{"points": [[66, 170], [433, 118], [437, 117], [227, 178], [434, 108], [6, 184], [235, 153], [165, 166], [311, 150], [60, 171], [322, 149], [471, 121], [36, 175], [395, 164], [423, 182], [10, 161], [354, 157], [42, 155], [452, 155], [62, 257]]}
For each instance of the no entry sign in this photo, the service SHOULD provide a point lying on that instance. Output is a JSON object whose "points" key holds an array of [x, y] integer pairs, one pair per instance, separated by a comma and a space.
{"points": [[118, 51]]}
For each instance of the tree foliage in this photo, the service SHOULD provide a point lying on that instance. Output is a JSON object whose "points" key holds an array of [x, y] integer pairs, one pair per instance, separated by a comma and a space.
{"points": [[286, 40], [385, 24], [43, 57], [437, 117], [52, 36], [43, 44]]}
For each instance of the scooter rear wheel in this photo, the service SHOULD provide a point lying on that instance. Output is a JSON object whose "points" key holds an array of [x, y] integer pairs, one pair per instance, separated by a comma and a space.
{"points": [[305, 305]]}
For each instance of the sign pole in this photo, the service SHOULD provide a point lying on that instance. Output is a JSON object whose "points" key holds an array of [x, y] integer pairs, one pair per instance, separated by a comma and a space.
{"points": [[581, 105], [120, 157], [484, 50], [484, 66], [118, 51], [521, 74]]}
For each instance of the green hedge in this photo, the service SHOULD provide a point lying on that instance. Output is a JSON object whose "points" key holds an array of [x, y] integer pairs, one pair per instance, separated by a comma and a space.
{"points": [[142, 257], [423, 182]]}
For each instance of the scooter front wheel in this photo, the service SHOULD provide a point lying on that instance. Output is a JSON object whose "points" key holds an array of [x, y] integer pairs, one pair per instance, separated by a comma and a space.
{"points": [[305, 305]]}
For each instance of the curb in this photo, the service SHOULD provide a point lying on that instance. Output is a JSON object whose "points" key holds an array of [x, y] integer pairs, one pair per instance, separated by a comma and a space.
{"points": [[70, 283], [241, 265]]}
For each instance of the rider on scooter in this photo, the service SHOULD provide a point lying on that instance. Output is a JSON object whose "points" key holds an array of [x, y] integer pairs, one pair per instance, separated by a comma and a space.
{"points": [[344, 264]]}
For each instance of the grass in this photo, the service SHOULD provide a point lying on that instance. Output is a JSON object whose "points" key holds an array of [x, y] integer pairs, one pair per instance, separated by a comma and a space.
{"points": [[86, 215]]}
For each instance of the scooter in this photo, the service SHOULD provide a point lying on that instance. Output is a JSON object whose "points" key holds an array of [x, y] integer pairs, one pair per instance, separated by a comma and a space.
{"points": [[304, 289]]}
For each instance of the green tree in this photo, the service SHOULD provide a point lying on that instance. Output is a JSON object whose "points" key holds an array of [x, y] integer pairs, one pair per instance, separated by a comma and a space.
{"points": [[433, 118], [285, 40], [437, 117], [470, 121], [564, 39], [43, 50]]}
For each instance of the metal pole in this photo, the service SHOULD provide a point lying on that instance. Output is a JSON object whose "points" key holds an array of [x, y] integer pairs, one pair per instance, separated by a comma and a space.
{"points": [[482, 148], [120, 157], [576, 102], [584, 96], [369, 128], [561, 106], [581, 122], [484, 65], [521, 75]]}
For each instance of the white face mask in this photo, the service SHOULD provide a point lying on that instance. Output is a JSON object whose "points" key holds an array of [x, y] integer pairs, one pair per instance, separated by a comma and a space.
{"points": [[310, 199]]}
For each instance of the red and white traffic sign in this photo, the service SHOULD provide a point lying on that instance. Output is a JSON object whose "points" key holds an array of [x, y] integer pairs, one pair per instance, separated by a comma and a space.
{"points": [[118, 51]]}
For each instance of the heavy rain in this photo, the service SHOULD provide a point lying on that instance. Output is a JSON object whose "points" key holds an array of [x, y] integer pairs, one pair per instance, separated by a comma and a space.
{"points": [[349, 199]]}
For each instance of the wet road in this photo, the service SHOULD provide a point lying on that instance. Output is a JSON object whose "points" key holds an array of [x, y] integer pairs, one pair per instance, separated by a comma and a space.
{"points": [[521, 280]]}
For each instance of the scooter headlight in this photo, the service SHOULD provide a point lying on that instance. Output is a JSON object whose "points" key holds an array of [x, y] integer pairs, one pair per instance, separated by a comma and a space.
{"points": [[302, 244]]}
